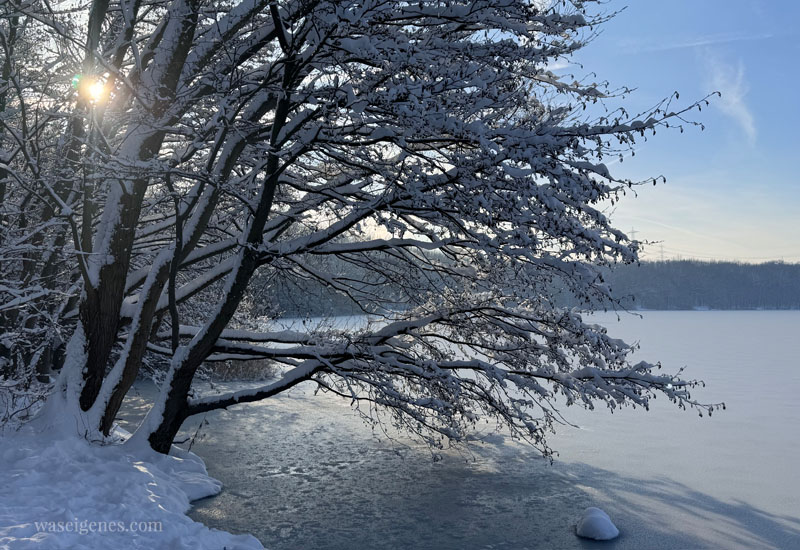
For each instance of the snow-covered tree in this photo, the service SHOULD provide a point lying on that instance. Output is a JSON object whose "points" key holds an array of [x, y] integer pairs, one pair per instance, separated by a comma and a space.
{"points": [[170, 150]]}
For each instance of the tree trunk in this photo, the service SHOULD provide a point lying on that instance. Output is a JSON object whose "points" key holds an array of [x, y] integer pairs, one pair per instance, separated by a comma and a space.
{"points": [[99, 311]]}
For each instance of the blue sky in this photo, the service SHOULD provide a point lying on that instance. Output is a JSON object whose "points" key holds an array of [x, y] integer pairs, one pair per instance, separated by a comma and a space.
{"points": [[732, 191]]}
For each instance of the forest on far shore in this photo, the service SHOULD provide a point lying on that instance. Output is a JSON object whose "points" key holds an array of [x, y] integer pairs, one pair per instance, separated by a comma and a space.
{"points": [[693, 284], [666, 285]]}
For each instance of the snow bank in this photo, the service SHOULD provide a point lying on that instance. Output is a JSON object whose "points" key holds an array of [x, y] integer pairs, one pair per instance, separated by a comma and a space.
{"points": [[65, 493], [595, 524]]}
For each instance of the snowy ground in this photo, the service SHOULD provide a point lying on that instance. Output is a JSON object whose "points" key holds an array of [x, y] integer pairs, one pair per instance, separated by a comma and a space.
{"points": [[68, 494]]}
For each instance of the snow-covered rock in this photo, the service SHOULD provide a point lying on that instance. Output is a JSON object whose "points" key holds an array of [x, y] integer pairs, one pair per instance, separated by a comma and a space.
{"points": [[595, 524]]}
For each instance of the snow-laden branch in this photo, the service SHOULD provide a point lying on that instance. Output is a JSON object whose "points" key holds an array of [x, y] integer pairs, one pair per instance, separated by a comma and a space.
{"points": [[295, 376]]}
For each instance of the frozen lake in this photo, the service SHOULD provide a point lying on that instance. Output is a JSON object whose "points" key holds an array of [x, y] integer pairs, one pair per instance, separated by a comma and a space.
{"points": [[303, 472]]}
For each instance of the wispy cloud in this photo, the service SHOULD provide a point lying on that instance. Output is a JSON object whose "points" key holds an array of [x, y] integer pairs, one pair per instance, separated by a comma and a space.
{"points": [[635, 46], [558, 65], [729, 80]]}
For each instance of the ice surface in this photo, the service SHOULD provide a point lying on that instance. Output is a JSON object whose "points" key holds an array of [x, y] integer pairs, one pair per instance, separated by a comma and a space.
{"points": [[595, 524], [303, 471]]}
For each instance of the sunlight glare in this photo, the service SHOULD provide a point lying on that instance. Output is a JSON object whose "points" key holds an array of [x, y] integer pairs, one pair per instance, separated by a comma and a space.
{"points": [[96, 91]]}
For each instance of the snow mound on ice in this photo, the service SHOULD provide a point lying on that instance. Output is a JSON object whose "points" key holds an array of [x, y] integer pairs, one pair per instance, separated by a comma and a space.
{"points": [[595, 524], [61, 493]]}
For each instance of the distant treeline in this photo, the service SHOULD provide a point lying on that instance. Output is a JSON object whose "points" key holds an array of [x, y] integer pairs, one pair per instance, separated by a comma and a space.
{"points": [[669, 285], [691, 284]]}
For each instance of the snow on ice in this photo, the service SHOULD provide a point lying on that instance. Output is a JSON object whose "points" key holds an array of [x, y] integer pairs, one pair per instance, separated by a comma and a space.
{"points": [[595, 524]]}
